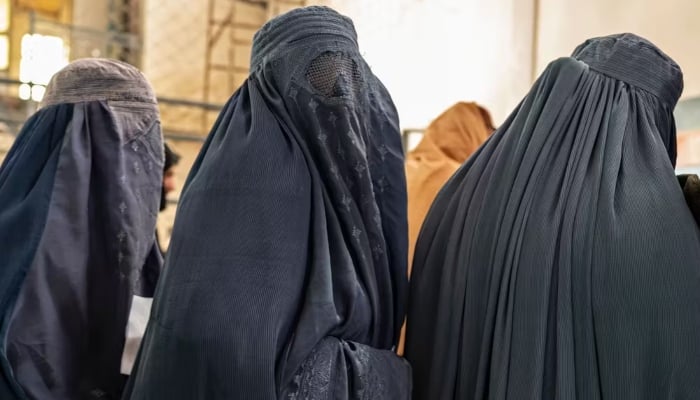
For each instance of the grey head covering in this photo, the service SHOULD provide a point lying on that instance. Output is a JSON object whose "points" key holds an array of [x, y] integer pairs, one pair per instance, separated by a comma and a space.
{"points": [[98, 79], [79, 195], [561, 261]]}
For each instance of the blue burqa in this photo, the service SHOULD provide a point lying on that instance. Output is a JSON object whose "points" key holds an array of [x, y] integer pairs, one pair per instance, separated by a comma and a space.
{"points": [[286, 273], [79, 195], [562, 261]]}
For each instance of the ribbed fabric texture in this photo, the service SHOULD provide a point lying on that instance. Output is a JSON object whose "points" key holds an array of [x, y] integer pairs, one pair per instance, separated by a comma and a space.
{"points": [[561, 261], [98, 79], [286, 272], [448, 142], [276, 36], [636, 61]]}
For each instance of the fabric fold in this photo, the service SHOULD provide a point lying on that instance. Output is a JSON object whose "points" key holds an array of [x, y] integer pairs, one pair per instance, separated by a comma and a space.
{"points": [[79, 195], [560, 261], [288, 253]]}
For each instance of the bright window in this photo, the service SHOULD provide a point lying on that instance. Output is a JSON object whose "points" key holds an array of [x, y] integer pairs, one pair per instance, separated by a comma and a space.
{"points": [[25, 91], [4, 52], [4, 40], [38, 92], [42, 56], [4, 15]]}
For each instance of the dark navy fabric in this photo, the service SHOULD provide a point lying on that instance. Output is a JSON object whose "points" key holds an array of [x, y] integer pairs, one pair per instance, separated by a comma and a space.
{"points": [[286, 274], [562, 261]]}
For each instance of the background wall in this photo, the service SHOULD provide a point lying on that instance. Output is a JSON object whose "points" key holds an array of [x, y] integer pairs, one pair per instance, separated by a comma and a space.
{"points": [[431, 54], [175, 44], [673, 25]]}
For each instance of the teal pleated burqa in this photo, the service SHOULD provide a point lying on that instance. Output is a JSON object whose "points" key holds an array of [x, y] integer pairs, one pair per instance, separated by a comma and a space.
{"points": [[561, 261]]}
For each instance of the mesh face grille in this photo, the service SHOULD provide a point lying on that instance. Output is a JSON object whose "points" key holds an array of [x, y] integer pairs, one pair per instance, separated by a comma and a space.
{"points": [[333, 75]]}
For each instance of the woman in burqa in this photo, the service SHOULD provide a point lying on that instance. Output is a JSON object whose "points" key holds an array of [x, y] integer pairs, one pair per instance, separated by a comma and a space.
{"points": [[286, 274], [448, 142], [561, 261], [79, 193]]}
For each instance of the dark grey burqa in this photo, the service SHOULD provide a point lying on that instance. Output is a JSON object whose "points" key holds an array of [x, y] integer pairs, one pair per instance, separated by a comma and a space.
{"points": [[561, 261], [286, 272], [79, 195]]}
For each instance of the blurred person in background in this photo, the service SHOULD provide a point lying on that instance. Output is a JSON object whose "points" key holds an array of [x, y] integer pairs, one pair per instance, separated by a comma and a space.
{"points": [[169, 182]]}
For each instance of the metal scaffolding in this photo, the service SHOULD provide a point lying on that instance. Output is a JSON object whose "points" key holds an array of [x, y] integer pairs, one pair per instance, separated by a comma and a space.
{"points": [[124, 25], [233, 33]]}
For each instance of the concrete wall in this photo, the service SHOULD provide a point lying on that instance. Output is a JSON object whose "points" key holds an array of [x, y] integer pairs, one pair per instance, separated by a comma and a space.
{"points": [[93, 14], [431, 54], [673, 25]]}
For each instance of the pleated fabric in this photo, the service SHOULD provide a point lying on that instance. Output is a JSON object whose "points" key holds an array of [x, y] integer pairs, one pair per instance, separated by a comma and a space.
{"points": [[448, 142], [561, 261], [79, 194], [286, 273]]}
